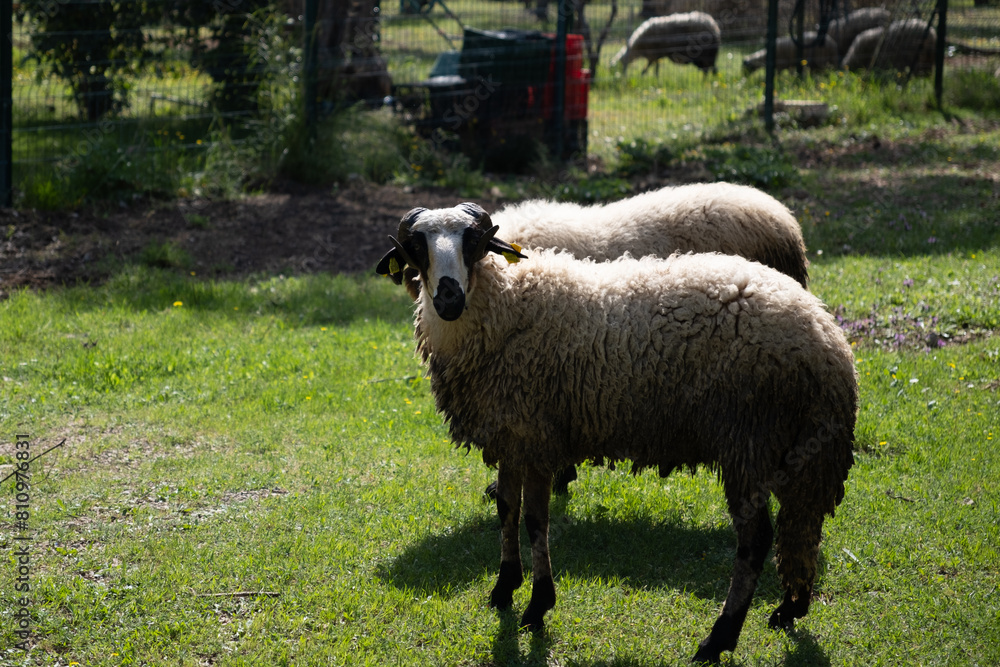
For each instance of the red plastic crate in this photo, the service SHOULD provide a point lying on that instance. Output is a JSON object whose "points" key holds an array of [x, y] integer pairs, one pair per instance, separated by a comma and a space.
{"points": [[577, 81]]}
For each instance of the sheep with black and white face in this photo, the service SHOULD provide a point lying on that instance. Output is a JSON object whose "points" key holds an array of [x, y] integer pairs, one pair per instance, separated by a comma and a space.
{"points": [[698, 359], [697, 217]]}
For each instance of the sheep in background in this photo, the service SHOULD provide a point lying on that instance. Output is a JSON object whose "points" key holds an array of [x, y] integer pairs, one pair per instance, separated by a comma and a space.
{"points": [[700, 217], [693, 37], [817, 56], [846, 29], [904, 45], [697, 359]]}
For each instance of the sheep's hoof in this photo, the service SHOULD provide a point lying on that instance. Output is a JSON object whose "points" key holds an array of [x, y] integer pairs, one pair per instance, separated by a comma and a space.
{"points": [[706, 656], [491, 491], [709, 650], [533, 622], [501, 599], [784, 616], [723, 637], [508, 581], [779, 621]]}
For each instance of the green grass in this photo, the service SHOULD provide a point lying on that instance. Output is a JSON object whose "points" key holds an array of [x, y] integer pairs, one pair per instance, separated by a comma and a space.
{"points": [[275, 438], [253, 471]]}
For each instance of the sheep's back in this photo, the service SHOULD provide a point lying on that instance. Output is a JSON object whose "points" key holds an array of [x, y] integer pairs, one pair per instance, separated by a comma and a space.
{"points": [[818, 56], [663, 362], [845, 30], [702, 217], [903, 45]]}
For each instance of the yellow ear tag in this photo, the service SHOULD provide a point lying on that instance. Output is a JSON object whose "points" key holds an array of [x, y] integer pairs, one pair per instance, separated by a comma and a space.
{"points": [[393, 265], [510, 257]]}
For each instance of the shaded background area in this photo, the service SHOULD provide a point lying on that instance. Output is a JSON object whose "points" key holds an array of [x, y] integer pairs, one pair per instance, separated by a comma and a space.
{"points": [[176, 97]]}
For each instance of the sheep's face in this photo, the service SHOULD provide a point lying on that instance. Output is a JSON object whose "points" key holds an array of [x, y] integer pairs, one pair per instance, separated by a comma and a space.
{"points": [[444, 245]]}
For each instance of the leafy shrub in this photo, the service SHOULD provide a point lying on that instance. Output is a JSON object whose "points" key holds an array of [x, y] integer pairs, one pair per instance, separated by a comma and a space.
{"points": [[976, 90], [639, 156], [593, 189], [349, 143], [752, 165], [106, 38]]}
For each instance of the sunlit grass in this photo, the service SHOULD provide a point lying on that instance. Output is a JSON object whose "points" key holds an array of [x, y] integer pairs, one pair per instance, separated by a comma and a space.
{"points": [[254, 473]]}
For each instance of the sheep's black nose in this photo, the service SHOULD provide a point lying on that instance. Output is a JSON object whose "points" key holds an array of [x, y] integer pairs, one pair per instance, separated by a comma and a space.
{"points": [[449, 302]]}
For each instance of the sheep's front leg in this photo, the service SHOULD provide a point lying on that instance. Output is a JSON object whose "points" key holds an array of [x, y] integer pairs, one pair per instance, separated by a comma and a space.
{"points": [[537, 491], [508, 495]]}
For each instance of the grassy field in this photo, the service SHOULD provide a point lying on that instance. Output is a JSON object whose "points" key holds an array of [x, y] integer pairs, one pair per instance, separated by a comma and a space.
{"points": [[252, 472]]}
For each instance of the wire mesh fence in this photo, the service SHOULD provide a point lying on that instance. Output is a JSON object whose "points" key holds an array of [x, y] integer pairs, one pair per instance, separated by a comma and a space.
{"points": [[157, 96], [125, 96]]}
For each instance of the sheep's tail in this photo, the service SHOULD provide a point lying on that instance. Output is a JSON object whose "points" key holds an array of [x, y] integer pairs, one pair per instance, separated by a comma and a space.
{"points": [[816, 471], [623, 57]]}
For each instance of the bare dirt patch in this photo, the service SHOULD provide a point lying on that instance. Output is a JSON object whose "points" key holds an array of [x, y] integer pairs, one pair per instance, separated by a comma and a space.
{"points": [[292, 229]]}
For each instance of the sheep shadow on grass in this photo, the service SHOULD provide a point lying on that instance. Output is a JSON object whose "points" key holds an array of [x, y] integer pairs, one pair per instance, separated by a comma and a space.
{"points": [[629, 553], [639, 553]]}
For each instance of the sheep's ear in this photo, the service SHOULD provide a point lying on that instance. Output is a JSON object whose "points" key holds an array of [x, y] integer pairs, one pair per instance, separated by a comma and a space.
{"points": [[510, 251], [394, 261], [391, 265]]}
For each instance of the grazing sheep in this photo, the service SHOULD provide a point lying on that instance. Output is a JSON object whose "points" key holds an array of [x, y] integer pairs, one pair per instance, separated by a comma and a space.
{"points": [[700, 217], [845, 29], [696, 359], [904, 45], [693, 37], [816, 56]]}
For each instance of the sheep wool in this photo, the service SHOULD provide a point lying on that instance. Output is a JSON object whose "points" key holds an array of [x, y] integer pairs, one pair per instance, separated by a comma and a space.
{"points": [[816, 56], [700, 217], [846, 29], [904, 45], [697, 359], [691, 37]]}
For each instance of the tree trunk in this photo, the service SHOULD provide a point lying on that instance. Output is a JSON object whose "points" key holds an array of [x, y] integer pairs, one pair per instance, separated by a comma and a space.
{"points": [[583, 28], [351, 67]]}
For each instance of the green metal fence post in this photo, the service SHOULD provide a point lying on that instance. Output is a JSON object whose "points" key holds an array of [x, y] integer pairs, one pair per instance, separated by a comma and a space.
{"points": [[559, 122], [311, 57], [800, 37], [6, 102], [942, 44], [772, 40]]}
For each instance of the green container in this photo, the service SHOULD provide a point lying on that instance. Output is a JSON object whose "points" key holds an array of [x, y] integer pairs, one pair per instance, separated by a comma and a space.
{"points": [[512, 57]]}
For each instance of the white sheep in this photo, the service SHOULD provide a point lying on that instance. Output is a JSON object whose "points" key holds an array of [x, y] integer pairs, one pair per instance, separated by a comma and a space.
{"points": [[816, 56], [695, 359], [699, 217], [904, 45], [845, 30], [692, 37]]}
